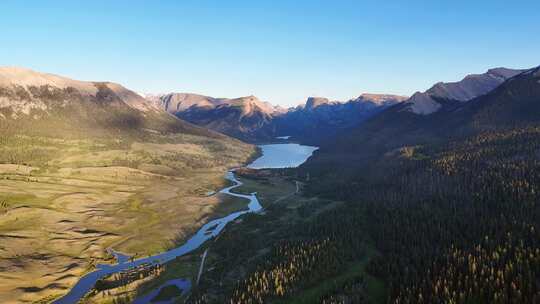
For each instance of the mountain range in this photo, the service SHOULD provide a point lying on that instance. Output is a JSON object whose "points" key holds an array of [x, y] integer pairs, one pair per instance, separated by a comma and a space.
{"points": [[45, 104], [319, 118], [246, 118], [497, 100], [252, 120]]}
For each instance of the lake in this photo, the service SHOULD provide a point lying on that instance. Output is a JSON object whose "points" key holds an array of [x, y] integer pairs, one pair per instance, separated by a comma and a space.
{"points": [[282, 156]]}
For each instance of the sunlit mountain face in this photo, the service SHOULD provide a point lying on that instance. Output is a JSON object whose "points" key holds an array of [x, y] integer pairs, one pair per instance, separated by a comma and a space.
{"points": [[249, 119]]}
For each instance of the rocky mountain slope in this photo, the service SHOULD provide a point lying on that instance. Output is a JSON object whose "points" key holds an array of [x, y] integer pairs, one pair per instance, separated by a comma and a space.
{"points": [[179, 102], [251, 120], [468, 88], [320, 118], [244, 118], [46, 104], [515, 102]]}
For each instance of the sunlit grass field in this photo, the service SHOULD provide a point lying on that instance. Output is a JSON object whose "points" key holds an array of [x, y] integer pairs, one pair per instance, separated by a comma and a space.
{"points": [[64, 201]]}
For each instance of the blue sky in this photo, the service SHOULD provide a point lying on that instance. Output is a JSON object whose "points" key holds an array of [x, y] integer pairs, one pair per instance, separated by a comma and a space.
{"points": [[280, 51]]}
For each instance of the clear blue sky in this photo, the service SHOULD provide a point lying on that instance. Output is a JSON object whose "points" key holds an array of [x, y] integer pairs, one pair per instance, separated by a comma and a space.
{"points": [[280, 51]]}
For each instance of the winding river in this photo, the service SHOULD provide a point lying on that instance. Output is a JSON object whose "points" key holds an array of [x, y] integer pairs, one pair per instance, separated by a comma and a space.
{"points": [[274, 156]]}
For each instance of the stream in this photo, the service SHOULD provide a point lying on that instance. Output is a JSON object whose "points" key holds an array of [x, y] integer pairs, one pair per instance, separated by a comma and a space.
{"points": [[274, 156]]}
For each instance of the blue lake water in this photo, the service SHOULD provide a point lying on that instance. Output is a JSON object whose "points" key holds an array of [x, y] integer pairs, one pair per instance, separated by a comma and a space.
{"points": [[282, 156]]}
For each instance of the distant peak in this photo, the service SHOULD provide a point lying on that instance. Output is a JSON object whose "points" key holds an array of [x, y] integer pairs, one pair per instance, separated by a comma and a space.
{"points": [[537, 71], [313, 102], [471, 86], [251, 98], [27, 78], [504, 72], [380, 98], [252, 102]]}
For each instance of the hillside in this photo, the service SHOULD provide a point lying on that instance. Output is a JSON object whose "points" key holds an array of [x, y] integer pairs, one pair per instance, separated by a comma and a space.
{"points": [[45, 104], [244, 118], [85, 166], [471, 86], [512, 103]]}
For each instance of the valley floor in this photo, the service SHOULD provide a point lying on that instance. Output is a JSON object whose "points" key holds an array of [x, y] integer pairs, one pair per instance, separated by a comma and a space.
{"points": [[187, 267], [60, 225], [59, 217], [266, 244], [244, 246]]}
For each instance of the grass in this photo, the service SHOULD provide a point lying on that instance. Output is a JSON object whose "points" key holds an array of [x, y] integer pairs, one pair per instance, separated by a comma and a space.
{"points": [[63, 202], [268, 190], [185, 266], [228, 205], [167, 293], [274, 192]]}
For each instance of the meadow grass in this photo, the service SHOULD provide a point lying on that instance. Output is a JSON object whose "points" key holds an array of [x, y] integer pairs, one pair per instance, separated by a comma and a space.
{"points": [[64, 201]]}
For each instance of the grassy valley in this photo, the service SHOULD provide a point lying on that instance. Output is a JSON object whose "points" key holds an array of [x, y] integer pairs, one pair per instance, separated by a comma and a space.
{"points": [[87, 172]]}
